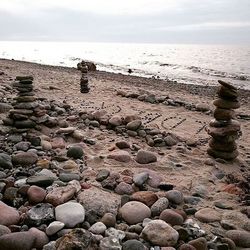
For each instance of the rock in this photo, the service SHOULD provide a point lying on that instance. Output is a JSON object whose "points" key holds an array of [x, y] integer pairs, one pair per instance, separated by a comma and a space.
{"points": [[8, 215], [133, 245], [40, 180], [22, 146], [39, 214], [134, 212], [98, 228], [41, 238], [146, 197], [54, 227], [4, 230], [170, 140], [122, 156], [60, 195], [199, 244], [134, 125], [226, 104], [109, 219], [78, 238], [171, 217], [159, 233], [102, 174], [115, 120], [103, 202], [65, 131], [207, 215], [187, 247], [140, 179], [70, 166], [36, 194], [175, 196], [66, 177], [75, 152], [160, 205], [223, 114], [110, 243], [234, 218], [24, 159], [17, 241], [70, 213], [4, 107], [118, 234], [124, 188], [241, 238], [5, 161], [58, 142], [203, 107], [145, 157], [122, 144]]}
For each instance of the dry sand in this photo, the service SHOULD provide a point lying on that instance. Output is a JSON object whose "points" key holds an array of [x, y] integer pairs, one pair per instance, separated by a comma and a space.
{"points": [[62, 84]]}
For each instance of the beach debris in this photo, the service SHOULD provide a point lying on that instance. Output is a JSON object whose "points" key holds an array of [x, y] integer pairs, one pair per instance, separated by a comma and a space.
{"points": [[84, 79], [224, 130]]}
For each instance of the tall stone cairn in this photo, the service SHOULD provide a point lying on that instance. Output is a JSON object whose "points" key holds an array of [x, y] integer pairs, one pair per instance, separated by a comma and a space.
{"points": [[26, 112], [84, 79], [224, 130]]}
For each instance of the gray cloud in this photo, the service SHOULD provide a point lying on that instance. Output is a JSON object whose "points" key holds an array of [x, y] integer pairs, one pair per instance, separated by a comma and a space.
{"points": [[217, 21]]}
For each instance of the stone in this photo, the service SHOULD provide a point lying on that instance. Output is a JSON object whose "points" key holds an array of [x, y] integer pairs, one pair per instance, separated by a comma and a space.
{"points": [[102, 174], [41, 238], [223, 155], [207, 215], [223, 114], [226, 93], [159, 233], [70, 166], [160, 205], [146, 197], [109, 219], [110, 243], [140, 179], [217, 145], [231, 129], [121, 156], [8, 215], [54, 227], [58, 142], [75, 152], [4, 107], [103, 202], [78, 238], [5, 161], [4, 230], [134, 125], [40, 180], [145, 157], [171, 217], [115, 120], [60, 195], [66, 177], [124, 188], [203, 107], [187, 247], [36, 194], [24, 158], [40, 214], [175, 196], [134, 212], [122, 144], [226, 104], [118, 234], [17, 241], [98, 228], [70, 213], [199, 244], [133, 245], [65, 131], [236, 219], [170, 140]]}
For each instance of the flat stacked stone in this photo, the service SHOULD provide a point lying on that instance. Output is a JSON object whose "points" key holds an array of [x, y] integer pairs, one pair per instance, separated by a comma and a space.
{"points": [[84, 78], [224, 129], [26, 112]]}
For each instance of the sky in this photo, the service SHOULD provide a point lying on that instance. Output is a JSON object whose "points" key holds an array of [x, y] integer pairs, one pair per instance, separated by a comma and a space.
{"points": [[135, 21]]}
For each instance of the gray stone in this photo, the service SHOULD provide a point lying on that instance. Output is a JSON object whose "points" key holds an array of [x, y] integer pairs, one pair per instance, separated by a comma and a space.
{"points": [[110, 243], [175, 196], [24, 158], [98, 228], [133, 245], [241, 238], [5, 161], [118, 234], [160, 205], [140, 179], [75, 152], [145, 157], [54, 227]]}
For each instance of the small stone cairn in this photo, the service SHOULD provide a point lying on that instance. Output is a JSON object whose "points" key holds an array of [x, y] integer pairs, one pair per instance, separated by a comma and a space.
{"points": [[26, 112], [223, 129], [84, 79]]}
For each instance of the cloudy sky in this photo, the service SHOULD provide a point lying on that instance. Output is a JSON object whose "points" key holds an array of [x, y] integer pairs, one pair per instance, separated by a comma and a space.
{"points": [[156, 21]]}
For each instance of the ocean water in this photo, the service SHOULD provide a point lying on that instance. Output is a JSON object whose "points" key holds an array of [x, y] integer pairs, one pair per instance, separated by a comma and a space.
{"points": [[191, 64]]}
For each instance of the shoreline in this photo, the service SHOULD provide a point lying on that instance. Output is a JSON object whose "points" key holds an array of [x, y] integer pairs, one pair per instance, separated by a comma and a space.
{"points": [[197, 89]]}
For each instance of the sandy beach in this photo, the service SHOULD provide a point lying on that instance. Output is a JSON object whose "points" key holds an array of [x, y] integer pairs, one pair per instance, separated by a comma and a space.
{"points": [[185, 116]]}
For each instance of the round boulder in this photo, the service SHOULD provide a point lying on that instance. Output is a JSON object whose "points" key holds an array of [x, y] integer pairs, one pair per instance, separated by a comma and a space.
{"points": [[75, 152], [145, 157]]}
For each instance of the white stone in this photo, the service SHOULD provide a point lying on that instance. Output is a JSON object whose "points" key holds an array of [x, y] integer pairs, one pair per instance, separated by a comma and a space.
{"points": [[98, 228], [54, 227]]}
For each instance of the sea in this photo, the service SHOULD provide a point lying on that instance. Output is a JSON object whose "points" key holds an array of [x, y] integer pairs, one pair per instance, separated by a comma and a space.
{"points": [[183, 63]]}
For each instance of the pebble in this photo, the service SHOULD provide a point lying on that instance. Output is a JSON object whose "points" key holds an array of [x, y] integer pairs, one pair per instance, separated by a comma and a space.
{"points": [[122, 144], [241, 238], [159, 233], [115, 120], [118, 234], [70, 213], [175, 196], [66, 177], [207, 215], [8, 215], [121, 156], [140, 179], [160, 205], [102, 174], [134, 125], [5, 161], [41, 238], [24, 158], [110, 243], [4, 230], [75, 152], [54, 227], [145, 157], [146, 197], [98, 228], [124, 188], [134, 212], [40, 180], [133, 245], [36, 194], [171, 217], [109, 219], [199, 244]]}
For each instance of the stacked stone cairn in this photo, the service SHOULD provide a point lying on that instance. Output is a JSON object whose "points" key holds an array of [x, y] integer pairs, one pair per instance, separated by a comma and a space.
{"points": [[84, 78], [27, 112], [224, 129]]}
